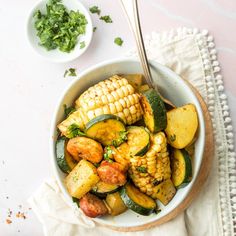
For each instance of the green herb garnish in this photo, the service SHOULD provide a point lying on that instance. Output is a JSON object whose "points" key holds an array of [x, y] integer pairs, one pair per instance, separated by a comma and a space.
{"points": [[108, 154], [68, 110], [141, 169], [173, 138], [94, 29], [82, 45], [58, 27], [106, 18], [75, 200], [95, 10], [74, 131], [118, 41], [122, 138], [70, 72], [96, 165]]}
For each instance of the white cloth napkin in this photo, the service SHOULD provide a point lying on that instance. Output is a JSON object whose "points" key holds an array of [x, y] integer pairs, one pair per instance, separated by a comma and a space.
{"points": [[192, 55]]}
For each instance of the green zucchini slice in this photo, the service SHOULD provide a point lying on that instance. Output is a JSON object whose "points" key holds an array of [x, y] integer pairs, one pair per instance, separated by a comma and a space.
{"points": [[137, 201], [107, 129], [138, 140], [64, 160], [101, 189], [154, 111], [181, 168]]}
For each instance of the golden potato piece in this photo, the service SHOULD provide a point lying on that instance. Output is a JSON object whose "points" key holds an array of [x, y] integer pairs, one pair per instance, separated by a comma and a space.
{"points": [[182, 124]]}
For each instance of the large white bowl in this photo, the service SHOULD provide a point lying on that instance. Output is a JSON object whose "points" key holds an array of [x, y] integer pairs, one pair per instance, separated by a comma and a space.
{"points": [[56, 55], [171, 87]]}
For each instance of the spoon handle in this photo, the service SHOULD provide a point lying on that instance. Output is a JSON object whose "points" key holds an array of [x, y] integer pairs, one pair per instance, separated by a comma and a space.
{"points": [[130, 7]]}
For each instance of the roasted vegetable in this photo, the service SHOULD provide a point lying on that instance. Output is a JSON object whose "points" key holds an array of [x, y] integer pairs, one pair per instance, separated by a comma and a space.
{"points": [[134, 79], [143, 88], [65, 162], [182, 124], [115, 203], [101, 189], [112, 173], [118, 155], [81, 179], [92, 206], [112, 96], [86, 148], [138, 140], [137, 201], [107, 129], [181, 167], [154, 167], [154, 111], [164, 191]]}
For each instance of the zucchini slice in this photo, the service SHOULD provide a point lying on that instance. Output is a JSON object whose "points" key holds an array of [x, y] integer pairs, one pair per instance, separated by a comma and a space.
{"points": [[138, 140], [107, 129], [137, 201], [64, 160], [181, 167], [154, 111], [165, 191], [101, 189]]}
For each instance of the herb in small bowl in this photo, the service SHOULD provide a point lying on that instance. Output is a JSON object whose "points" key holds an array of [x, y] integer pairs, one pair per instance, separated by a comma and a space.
{"points": [[57, 29]]}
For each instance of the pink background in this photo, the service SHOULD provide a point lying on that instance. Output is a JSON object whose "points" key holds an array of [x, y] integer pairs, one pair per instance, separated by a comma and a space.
{"points": [[31, 86]]}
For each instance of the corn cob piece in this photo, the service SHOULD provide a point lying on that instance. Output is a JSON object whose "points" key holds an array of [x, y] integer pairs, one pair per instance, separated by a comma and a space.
{"points": [[112, 96], [149, 170]]}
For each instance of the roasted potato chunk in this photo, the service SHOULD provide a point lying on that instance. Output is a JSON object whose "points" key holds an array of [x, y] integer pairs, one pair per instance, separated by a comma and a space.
{"points": [[81, 179]]}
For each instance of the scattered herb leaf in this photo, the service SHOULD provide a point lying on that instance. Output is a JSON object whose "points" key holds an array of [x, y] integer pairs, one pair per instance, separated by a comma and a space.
{"points": [[118, 41], [141, 169], [68, 110], [122, 138], [95, 10], [82, 45], [74, 131], [106, 18], [94, 29], [76, 201], [173, 138], [108, 154], [96, 165], [58, 27], [70, 72]]}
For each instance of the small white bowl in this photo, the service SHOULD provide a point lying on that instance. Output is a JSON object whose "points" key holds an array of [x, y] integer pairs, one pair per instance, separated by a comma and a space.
{"points": [[172, 87], [56, 55]]}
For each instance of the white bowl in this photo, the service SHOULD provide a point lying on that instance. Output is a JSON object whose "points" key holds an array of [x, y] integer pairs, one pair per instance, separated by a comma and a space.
{"points": [[56, 55], [172, 87]]}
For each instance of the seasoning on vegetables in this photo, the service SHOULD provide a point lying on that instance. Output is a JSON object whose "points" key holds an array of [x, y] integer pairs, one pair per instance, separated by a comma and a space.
{"points": [[59, 27]]}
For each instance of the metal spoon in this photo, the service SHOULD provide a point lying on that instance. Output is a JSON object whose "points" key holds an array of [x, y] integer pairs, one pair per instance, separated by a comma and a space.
{"points": [[130, 7]]}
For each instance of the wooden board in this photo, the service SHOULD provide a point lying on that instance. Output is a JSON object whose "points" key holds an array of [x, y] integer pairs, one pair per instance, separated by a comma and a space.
{"points": [[200, 180]]}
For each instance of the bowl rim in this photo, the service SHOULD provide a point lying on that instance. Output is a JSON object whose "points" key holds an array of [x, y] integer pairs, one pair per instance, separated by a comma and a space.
{"points": [[68, 57], [54, 123]]}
